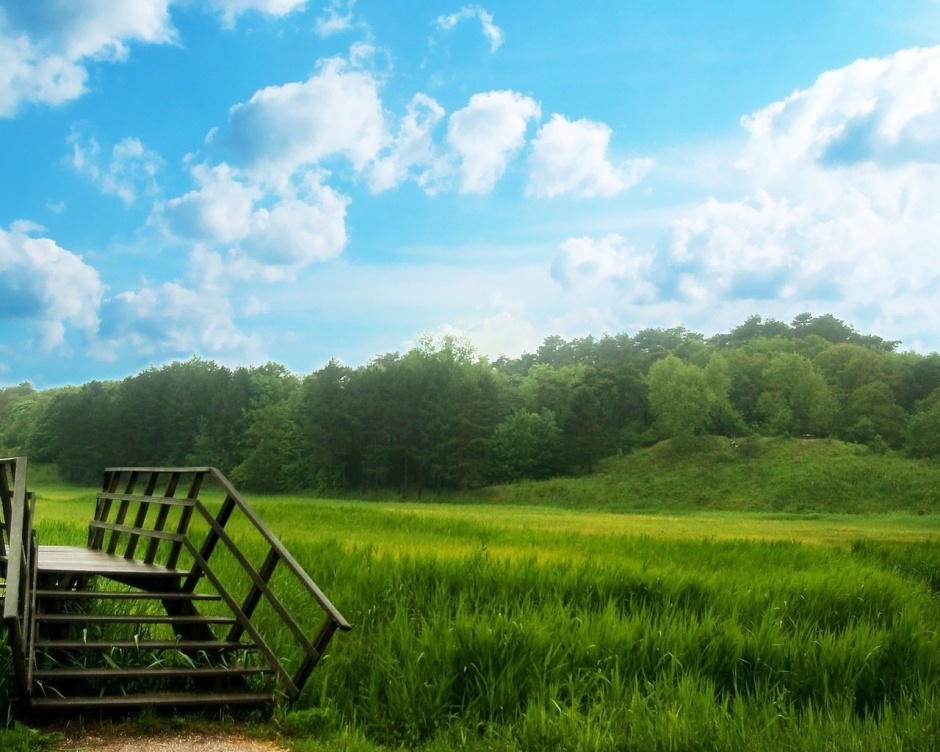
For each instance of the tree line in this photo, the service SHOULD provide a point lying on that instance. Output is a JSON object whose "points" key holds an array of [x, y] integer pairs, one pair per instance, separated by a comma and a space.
{"points": [[442, 417]]}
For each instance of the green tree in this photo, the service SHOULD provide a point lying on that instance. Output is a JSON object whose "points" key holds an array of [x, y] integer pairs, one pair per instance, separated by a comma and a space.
{"points": [[77, 432], [268, 434], [525, 445], [870, 412], [796, 399], [923, 433], [681, 397]]}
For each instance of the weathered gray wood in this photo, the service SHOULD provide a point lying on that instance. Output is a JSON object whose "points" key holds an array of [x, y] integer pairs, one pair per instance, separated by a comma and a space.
{"points": [[131, 619], [127, 595], [76, 560], [138, 537], [144, 672], [144, 645], [168, 699]]}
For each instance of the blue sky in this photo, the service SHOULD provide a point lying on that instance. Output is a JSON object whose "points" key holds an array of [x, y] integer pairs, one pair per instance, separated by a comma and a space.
{"points": [[295, 180]]}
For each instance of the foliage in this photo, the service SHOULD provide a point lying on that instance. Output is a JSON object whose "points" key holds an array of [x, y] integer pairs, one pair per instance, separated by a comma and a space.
{"points": [[923, 433], [435, 418], [525, 445]]}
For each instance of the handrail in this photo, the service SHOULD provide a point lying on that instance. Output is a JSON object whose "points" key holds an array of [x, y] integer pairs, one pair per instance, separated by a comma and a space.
{"points": [[261, 588], [20, 573], [283, 553]]}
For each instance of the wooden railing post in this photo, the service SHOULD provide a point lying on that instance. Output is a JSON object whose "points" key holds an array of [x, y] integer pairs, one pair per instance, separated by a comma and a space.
{"points": [[20, 578]]}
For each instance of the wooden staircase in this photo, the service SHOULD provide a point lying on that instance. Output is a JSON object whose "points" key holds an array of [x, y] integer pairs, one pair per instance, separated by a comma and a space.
{"points": [[161, 608]]}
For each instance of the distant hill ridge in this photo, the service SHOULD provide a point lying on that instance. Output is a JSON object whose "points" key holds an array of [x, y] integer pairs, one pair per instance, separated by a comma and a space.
{"points": [[756, 474]]}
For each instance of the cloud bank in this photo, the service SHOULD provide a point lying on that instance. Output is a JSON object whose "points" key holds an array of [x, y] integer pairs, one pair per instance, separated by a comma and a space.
{"points": [[839, 187]]}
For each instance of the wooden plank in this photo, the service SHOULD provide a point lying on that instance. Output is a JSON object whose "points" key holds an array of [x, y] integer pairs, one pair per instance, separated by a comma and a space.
{"points": [[170, 699], [145, 672], [75, 560], [6, 500], [141, 498], [146, 532], [132, 619], [126, 595], [144, 645]]}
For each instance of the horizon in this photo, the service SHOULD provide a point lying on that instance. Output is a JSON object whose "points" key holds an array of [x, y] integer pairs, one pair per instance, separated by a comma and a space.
{"points": [[295, 181]]}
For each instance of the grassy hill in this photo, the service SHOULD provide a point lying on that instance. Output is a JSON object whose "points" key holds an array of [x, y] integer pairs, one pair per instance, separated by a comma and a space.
{"points": [[758, 475]]}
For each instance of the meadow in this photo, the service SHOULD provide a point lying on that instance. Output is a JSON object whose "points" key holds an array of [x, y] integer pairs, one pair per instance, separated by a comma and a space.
{"points": [[486, 624]]}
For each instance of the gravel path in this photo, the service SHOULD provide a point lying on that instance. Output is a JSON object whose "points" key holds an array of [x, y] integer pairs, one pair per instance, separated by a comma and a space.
{"points": [[187, 742]]}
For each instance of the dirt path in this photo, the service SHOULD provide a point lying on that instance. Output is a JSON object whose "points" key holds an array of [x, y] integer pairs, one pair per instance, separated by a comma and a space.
{"points": [[181, 742]]}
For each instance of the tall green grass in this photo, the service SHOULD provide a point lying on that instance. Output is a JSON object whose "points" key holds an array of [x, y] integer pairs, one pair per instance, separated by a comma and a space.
{"points": [[669, 645], [499, 629]]}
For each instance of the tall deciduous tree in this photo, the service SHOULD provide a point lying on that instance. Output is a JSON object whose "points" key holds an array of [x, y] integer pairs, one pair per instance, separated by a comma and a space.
{"points": [[525, 445], [796, 399], [681, 397]]}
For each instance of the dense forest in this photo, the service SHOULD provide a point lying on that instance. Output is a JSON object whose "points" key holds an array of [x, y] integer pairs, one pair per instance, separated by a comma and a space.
{"points": [[442, 417]]}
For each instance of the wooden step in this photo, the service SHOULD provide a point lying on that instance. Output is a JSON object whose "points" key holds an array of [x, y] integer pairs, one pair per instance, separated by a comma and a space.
{"points": [[159, 699], [72, 560], [126, 595], [143, 672], [141, 645], [131, 619]]}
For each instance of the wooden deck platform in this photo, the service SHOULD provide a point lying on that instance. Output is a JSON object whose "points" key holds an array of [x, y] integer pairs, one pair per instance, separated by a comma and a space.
{"points": [[86, 561], [143, 614]]}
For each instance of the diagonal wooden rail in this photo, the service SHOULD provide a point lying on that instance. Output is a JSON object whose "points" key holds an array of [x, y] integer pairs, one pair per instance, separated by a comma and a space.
{"points": [[154, 536]]}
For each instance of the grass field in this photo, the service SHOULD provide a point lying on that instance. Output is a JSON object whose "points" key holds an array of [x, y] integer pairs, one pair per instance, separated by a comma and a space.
{"points": [[772, 595], [513, 626]]}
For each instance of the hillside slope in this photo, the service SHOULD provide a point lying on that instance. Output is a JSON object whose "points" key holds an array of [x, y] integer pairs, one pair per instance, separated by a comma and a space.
{"points": [[715, 473]]}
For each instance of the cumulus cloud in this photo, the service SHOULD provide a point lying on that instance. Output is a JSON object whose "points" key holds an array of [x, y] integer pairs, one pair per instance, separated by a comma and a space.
{"points": [[846, 182], [768, 248], [570, 158], [45, 45], [130, 170], [483, 137], [267, 235], [585, 263], [173, 319], [412, 148], [504, 332], [232, 9], [839, 188], [881, 111], [336, 112], [490, 30], [46, 284], [218, 211], [335, 17]]}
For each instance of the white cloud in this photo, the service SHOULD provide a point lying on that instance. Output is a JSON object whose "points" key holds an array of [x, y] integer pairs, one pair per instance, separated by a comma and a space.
{"points": [[295, 232], [173, 319], [505, 332], [490, 30], [265, 235], [131, 169], [484, 136], [335, 17], [586, 264], [44, 283], [232, 9], [883, 111], [412, 147], [571, 158], [218, 211], [840, 185], [45, 46], [336, 112]]}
